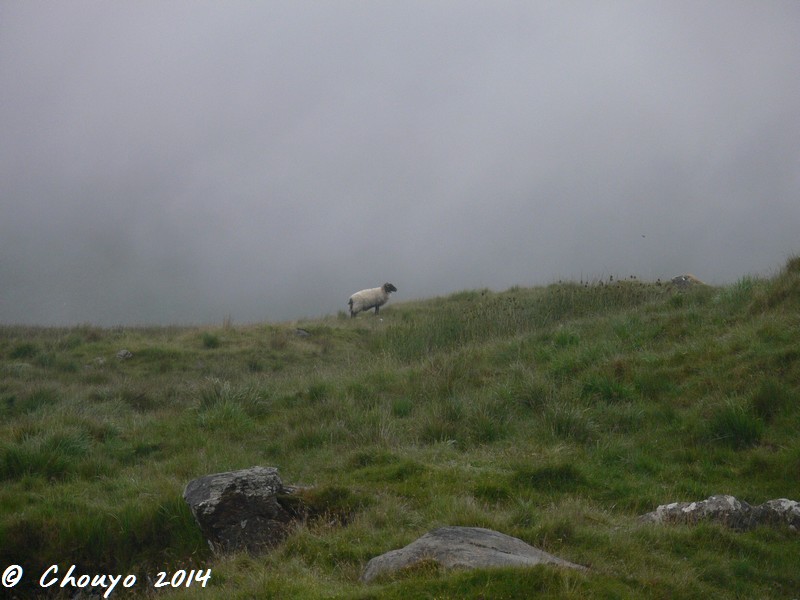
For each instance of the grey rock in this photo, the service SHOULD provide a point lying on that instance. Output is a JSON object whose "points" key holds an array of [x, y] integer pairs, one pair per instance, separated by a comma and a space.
{"points": [[124, 354], [240, 510], [779, 512], [722, 509], [729, 511], [299, 332], [465, 548], [685, 281]]}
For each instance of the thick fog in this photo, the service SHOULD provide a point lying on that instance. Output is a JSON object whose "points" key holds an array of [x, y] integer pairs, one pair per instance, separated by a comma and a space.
{"points": [[167, 162]]}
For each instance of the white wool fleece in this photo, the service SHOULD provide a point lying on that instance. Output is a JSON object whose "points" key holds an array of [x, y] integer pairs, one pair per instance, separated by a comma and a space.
{"points": [[371, 298]]}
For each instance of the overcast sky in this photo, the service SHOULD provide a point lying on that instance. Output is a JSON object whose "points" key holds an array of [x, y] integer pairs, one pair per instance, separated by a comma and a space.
{"points": [[166, 162]]}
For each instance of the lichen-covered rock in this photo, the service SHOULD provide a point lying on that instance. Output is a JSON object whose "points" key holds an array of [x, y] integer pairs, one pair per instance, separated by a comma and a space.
{"points": [[463, 547], [778, 512], [685, 281], [722, 509], [729, 511], [240, 510]]}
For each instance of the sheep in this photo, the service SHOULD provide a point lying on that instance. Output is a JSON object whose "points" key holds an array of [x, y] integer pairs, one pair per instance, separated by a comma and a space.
{"points": [[372, 298]]}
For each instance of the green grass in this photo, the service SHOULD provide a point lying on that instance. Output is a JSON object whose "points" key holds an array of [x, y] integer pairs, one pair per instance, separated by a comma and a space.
{"points": [[556, 414]]}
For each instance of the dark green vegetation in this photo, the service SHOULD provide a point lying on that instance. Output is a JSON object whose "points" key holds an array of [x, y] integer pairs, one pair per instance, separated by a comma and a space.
{"points": [[556, 414]]}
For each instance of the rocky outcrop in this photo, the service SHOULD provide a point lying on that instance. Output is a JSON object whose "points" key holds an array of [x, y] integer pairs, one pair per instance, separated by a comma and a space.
{"points": [[729, 511], [686, 281], [248, 510], [463, 547]]}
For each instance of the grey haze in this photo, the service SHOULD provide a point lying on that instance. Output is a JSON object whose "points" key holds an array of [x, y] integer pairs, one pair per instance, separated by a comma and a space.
{"points": [[168, 162]]}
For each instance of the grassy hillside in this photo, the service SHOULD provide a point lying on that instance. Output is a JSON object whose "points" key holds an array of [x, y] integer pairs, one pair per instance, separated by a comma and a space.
{"points": [[555, 414]]}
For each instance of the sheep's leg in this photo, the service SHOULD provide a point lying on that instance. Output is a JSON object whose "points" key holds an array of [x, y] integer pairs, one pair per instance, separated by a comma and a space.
{"points": [[376, 309]]}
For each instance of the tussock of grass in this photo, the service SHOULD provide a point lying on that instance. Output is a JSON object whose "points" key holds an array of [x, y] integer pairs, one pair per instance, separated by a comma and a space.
{"points": [[555, 414], [735, 425], [563, 477]]}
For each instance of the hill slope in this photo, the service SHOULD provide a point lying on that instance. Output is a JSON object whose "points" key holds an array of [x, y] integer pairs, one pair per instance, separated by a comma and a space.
{"points": [[554, 414]]}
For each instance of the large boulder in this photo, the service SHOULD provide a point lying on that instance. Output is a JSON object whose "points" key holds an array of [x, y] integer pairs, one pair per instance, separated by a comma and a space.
{"points": [[242, 510], [729, 511], [463, 547]]}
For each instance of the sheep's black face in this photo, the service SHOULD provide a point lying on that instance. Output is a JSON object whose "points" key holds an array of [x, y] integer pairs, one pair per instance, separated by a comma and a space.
{"points": [[388, 287]]}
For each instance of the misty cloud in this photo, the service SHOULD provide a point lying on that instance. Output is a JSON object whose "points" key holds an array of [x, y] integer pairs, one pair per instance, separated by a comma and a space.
{"points": [[175, 162]]}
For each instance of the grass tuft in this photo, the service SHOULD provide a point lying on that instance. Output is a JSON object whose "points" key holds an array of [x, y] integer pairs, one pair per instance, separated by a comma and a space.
{"points": [[735, 426], [562, 477], [210, 340]]}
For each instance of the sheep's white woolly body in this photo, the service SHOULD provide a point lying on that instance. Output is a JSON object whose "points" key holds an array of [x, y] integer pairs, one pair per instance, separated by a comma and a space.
{"points": [[371, 298]]}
